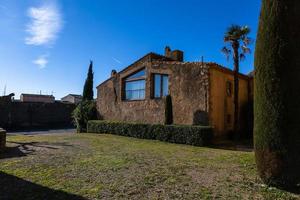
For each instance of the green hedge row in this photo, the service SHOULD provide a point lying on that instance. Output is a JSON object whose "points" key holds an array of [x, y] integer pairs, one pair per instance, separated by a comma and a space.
{"points": [[180, 134]]}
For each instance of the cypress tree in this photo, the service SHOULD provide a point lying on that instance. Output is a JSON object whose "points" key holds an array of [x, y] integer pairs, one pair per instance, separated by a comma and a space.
{"points": [[277, 93], [168, 110], [88, 93]]}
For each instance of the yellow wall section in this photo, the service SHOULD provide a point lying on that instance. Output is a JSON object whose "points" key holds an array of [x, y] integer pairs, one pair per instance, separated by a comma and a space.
{"points": [[221, 105]]}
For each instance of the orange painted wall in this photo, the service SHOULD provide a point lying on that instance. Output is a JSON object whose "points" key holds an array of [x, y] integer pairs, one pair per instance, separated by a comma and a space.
{"points": [[220, 103]]}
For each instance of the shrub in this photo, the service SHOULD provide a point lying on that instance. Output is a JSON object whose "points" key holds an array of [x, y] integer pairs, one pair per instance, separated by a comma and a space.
{"points": [[168, 110], [181, 134], [85, 111]]}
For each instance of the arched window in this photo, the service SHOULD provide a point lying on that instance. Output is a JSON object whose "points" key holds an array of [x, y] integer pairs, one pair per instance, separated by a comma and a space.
{"points": [[135, 86]]}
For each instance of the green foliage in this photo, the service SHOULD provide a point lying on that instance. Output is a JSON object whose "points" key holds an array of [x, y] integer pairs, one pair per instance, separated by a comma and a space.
{"points": [[277, 93], [180, 134], [237, 39], [88, 93], [85, 111], [168, 110]]}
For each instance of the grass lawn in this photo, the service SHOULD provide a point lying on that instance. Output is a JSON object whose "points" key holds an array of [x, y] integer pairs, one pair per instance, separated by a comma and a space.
{"points": [[89, 166]]}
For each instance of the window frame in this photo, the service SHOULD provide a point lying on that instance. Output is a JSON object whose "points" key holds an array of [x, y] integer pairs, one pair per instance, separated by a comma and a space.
{"points": [[128, 80], [161, 85]]}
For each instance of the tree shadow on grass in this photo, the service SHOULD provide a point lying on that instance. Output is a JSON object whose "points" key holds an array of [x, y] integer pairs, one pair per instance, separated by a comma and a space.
{"points": [[20, 149], [233, 145], [13, 187]]}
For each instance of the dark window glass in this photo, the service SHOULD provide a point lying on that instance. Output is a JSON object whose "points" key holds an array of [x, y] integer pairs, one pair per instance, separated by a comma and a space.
{"points": [[161, 85], [135, 86], [140, 74]]}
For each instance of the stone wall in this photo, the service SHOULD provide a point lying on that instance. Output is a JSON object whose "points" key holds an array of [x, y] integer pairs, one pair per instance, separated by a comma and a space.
{"points": [[25, 115], [188, 86]]}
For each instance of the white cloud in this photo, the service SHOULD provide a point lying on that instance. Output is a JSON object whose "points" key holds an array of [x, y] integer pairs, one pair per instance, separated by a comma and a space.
{"points": [[44, 26], [41, 61]]}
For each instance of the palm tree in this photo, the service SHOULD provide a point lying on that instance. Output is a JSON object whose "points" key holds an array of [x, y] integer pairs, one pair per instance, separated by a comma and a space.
{"points": [[237, 41]]}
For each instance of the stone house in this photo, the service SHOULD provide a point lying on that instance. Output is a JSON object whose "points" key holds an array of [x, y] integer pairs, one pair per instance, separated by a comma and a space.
{"points": [[72, 98], [202, 93]]}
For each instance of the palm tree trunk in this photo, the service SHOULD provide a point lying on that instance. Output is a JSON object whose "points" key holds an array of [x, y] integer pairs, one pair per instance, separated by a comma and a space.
{"points": [[235, 47]]}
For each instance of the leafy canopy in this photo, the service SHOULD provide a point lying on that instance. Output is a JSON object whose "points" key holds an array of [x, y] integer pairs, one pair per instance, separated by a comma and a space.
{"points": [[237, 36]]}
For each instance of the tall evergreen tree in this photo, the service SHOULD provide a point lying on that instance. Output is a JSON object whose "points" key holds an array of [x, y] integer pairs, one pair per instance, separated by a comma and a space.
{"points": [[168, 110], [88, 93], [277, 93], [237, 39]]}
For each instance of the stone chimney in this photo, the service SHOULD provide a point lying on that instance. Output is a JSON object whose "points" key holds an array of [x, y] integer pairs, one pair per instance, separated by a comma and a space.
{"points": [[176, 55], [113, 73], [168, 52]]}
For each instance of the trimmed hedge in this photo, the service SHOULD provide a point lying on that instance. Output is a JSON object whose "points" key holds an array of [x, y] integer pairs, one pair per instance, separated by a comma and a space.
{"points": [[180, 134]]}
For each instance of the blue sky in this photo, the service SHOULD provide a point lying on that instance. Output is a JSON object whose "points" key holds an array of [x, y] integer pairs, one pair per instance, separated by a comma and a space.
{"points": [[46, 45]]}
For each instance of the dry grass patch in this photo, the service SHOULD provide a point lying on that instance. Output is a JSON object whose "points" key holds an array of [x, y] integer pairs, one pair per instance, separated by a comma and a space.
{"points": [[112, 167]]}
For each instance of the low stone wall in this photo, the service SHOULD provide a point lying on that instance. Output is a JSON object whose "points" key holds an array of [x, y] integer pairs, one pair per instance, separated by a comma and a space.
{"points": [[2, 139]]}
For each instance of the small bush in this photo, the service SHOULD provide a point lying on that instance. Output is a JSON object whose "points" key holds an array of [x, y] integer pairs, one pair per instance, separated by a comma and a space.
{"points": [[180, 134], [85, 111]]}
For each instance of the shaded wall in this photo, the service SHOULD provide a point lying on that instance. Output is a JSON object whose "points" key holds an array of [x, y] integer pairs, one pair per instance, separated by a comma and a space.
{"points": [[25, 115]]}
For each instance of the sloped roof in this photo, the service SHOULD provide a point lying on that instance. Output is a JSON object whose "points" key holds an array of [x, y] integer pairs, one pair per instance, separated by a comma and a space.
{"points": [[73, 95], [37, 95], [76, 95], [163, 59], [151, 56]]}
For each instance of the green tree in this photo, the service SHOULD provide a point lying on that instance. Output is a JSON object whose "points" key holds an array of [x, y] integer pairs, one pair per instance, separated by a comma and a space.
{"points": [[237, 40], [85, 111], [88, 93], [277, 93], [168, 110]]}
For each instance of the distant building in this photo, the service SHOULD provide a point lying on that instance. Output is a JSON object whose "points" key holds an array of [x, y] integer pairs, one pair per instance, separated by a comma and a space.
{"points": [[72, 98], [37, 98]]}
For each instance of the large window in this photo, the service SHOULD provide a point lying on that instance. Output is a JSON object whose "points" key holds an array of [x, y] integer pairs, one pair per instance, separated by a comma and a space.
{"points": [[161, 83], [135, 86]]}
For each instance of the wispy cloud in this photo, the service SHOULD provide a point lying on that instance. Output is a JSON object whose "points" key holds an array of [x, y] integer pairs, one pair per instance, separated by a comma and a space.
{"points": [[44, 26], [41, 61], [116, 60]]}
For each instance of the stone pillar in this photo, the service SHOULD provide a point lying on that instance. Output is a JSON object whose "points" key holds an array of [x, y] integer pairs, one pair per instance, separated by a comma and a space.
{"points": [[2, 139]]}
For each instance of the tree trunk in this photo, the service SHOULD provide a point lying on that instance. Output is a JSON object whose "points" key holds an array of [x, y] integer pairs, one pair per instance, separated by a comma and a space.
{"points": [[235, 47], [277, 93]]}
